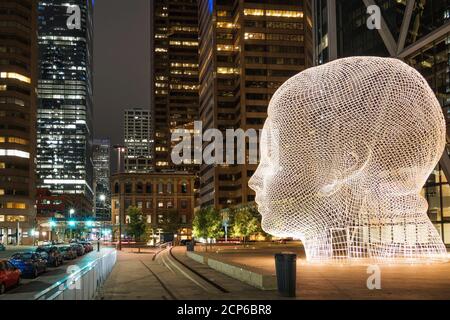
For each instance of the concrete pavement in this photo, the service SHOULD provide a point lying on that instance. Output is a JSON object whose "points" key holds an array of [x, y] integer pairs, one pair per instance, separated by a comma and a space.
{"points": [[143, 277], [314, 281]]}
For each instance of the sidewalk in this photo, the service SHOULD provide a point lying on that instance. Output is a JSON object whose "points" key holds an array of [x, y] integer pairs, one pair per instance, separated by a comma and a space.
{"points": [[131, 279], [314, 281]]}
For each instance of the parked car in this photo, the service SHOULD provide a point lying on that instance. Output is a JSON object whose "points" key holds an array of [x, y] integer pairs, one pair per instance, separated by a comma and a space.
{"points": [[2, 247], [87, 246], [54, 256], [68, 252], [9, 276], [29, 263], [78, 248]]}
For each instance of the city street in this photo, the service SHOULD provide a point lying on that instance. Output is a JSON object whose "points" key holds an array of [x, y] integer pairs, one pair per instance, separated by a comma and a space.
{"points": [[29, 288]]}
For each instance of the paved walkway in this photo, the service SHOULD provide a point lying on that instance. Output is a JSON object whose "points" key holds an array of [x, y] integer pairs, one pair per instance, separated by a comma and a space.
{"points": [[140, 277], [418, 281]]}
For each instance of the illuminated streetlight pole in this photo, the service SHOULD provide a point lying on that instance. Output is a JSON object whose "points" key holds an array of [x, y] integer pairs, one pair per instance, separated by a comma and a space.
{"points": [[120, 150], [71, 223]]}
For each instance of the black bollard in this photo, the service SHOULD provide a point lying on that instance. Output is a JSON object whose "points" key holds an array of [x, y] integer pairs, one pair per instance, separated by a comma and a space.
{"points": [[286, 269]]}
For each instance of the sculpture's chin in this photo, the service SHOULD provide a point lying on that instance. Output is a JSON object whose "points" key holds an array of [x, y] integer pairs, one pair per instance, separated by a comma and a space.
{"points": [[277, 228]]}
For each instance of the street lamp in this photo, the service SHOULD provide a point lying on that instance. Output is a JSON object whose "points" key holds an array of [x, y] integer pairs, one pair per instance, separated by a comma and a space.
{"points": [[102, 197], [120, 149], [71, 212], [71, 226]]}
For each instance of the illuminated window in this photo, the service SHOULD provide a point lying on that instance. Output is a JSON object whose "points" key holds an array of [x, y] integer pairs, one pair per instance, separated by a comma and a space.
{"points": [[222, 13], [284, 13], [183, 43], [14, 140], [14, 75], [160, 204], [15, 219], [2, 192], [149, 219], [227, 25], [14, 153], [253, 12], [2, 165], [254, 36], [2, 218], [225, 47], [224, 70], [273, 13], [16, 205], [3, 87]]}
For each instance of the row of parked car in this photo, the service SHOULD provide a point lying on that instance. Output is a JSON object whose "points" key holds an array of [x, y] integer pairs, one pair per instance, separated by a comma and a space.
{"points": [[33, 263]]}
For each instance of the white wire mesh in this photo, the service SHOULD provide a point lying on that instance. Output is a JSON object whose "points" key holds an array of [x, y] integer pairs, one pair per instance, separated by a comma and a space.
{"points": [[356, 139]]}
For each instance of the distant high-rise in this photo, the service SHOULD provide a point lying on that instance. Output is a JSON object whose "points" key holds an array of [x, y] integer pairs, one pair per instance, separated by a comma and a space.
{"points": [[18, 80], [64, 126], [175, 85], [102, 191], [138, 141], [415, 31], [247, 49]]}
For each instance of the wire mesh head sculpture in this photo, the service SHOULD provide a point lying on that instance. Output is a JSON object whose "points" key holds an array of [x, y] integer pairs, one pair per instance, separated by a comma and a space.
{"points": [[347, 148]]}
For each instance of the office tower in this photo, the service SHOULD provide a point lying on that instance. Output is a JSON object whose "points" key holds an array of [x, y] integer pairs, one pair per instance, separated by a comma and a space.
{"points": [[18, 80], [247, 50], [138, 140], [64, 126], [102, 192], [416, 31], [175, 75]]}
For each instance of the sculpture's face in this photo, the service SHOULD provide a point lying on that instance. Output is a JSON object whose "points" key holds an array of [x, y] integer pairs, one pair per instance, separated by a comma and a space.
{"points": [[356, 137]]}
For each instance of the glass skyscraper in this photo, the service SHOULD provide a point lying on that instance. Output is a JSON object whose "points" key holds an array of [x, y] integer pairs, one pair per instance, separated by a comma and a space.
{"points": [[101, 158], [64, 124], [416, 31]]}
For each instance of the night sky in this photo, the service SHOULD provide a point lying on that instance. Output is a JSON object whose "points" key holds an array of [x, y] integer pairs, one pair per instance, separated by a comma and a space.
{"points": [[121, 63]]}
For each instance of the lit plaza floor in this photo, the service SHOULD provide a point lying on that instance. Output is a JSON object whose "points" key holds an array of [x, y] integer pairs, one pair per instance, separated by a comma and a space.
{"points": [[404, 281]]}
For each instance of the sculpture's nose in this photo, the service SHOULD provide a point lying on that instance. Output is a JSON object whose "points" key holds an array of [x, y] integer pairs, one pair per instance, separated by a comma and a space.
{"points": [[255, 182]]}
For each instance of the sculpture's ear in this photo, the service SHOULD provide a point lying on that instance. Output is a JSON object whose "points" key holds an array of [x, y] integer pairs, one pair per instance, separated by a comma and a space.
{"points": [[346, 166]]}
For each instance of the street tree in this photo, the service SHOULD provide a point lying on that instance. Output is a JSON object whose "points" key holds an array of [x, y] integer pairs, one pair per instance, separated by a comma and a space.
{"points": [[207, 224], [137, 225], [170, 222], [246, 222]]}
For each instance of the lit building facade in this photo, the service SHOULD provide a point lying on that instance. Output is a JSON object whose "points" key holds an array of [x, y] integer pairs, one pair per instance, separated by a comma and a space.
{"points": [[101, 156], [138, 140], [415, 31], [247, 50], [18, 82], [64, 125], [174, 92], [155, 194]]}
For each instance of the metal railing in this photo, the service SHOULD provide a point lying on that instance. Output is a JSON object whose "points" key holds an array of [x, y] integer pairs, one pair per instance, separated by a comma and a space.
{"points": [[81, 283]]}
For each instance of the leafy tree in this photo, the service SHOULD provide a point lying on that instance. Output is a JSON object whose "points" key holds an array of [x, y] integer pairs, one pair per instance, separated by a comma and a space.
{"points": [[170, 222], [137, 226], [246, 222], [207, 223]]}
